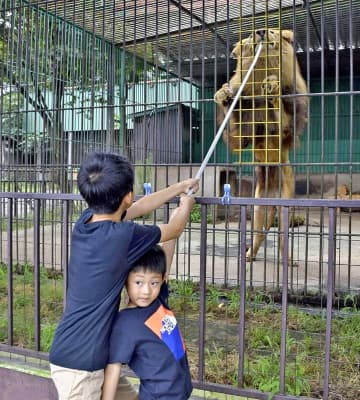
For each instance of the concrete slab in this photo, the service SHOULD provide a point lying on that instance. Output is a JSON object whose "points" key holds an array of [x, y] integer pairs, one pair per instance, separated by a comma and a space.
{"points": [[20, 385], [309, 244]]}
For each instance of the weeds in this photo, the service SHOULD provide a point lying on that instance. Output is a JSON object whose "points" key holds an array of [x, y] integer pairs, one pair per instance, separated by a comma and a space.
{"points": [[305, 339], [183, 295], [195, 215], [51, 294]]}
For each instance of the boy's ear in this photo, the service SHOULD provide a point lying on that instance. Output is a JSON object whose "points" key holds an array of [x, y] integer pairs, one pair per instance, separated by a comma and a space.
{"points": [[129, 198], [126, 203]]}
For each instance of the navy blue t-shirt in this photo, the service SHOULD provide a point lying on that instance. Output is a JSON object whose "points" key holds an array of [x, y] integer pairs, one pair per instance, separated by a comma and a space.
{"points": [[101, 256], [148, 339]]}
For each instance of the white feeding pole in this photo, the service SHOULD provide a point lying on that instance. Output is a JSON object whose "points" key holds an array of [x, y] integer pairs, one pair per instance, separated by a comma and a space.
{"points": [[227, 116]]}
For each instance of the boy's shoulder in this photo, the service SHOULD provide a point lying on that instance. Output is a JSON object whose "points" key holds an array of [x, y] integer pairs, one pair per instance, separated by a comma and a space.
{"points": [[136, 315], [87, 214], [128, 319]]}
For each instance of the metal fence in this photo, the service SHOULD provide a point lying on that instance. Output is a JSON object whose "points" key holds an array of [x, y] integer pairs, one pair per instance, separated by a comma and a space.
{"points": [[216, 294], [139, 77]]}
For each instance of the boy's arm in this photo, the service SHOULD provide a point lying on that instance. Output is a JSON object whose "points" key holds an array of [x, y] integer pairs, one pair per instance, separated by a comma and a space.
{"points": [[154, 200], [169, 250], [111, 379], [169, 246], [177, 222]]}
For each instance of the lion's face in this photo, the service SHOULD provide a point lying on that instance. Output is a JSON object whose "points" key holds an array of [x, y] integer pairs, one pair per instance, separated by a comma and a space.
{"points": [[270, 37], [277, 46]]}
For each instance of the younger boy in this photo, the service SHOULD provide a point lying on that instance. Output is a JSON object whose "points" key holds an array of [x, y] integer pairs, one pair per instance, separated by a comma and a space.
{"points": [[146, 335], [103, 247]]}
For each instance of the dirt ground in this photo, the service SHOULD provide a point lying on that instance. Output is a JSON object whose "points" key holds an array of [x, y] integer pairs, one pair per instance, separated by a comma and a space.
{"points": [[308, 245]]}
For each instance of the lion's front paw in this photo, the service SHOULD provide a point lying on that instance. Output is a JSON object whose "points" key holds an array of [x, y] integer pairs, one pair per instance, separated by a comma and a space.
{"points": [[270, 87], [224, 94]]}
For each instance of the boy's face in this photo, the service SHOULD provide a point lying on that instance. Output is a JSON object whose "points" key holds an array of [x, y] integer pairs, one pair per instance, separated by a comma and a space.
{"points": [[143, 287]]}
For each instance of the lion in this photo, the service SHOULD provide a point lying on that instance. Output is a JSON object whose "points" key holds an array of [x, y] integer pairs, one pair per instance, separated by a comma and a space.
{"points": [[268, 120]]}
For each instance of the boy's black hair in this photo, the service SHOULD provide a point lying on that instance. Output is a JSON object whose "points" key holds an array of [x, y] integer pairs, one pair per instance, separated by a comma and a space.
{"points": [[104, 180], [152, 261]]}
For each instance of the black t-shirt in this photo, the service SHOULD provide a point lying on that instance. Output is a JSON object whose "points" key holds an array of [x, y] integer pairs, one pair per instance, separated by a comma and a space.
{"points": [[101, 256], [148, 339]]}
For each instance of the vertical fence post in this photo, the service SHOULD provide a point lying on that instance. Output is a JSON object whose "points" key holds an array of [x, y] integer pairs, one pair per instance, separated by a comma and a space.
{"points": [[202, 287], [329, 297], [242, 295], [37, 332], [65, 247], [284, 307], [110, 133], [10, 310]]}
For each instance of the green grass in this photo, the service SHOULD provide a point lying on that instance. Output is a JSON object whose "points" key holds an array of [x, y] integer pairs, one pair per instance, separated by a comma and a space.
{"points": [[305, 342], [51, 294], [195, 215]]}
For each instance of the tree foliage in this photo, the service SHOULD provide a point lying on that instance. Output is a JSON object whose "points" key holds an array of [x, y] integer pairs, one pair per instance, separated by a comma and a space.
{"points": [[40, 58]]}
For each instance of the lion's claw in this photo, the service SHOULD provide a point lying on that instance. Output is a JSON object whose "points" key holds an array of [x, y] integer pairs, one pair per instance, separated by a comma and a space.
{"points": [[224, 94], [270, 87]]}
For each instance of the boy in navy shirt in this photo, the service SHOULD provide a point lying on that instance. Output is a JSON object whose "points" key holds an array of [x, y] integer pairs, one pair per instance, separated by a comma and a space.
{"points": [[146, 335], [104, 245]]}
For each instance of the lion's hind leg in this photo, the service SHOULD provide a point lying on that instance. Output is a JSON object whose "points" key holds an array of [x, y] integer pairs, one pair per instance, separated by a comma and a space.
{"points": [[287, 192], [259, 218], [263, 219], [263, 216]]}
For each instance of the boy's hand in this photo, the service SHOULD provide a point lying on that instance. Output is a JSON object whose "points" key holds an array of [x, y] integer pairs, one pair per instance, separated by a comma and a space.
{"points": [[190, 185]]}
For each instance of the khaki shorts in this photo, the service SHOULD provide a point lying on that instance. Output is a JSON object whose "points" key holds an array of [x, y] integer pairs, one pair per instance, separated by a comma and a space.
{"points": [[73, 384]]}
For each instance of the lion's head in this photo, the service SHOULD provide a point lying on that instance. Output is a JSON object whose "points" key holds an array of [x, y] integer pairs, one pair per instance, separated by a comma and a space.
{"points": [[270, 38], [268, 63]]}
